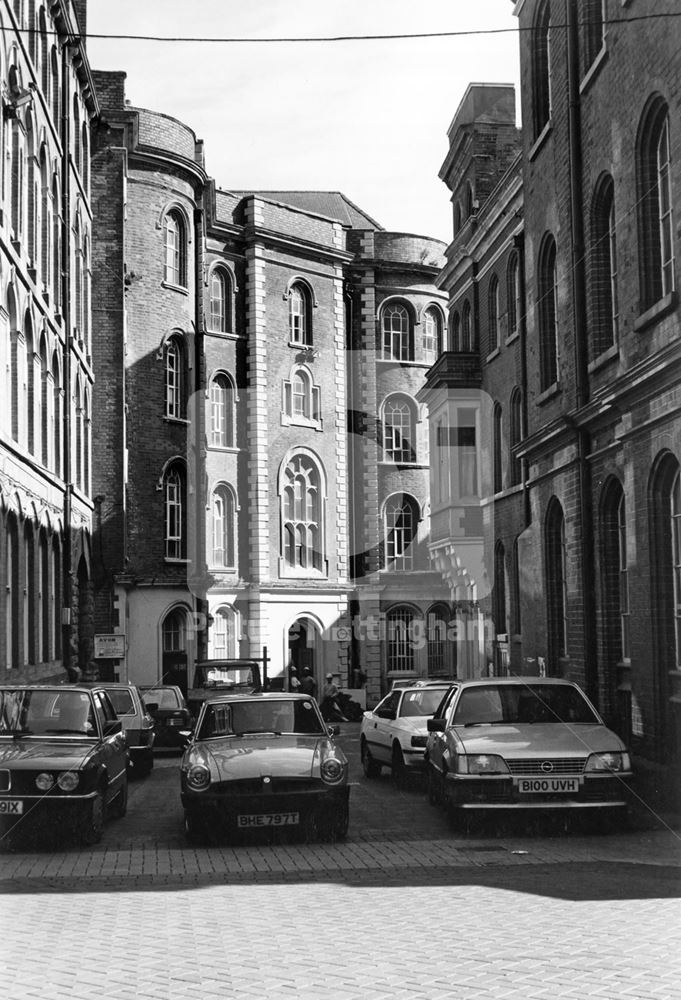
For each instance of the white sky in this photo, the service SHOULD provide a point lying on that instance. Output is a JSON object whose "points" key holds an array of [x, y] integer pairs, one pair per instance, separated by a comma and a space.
{"points": [[366, 118]]}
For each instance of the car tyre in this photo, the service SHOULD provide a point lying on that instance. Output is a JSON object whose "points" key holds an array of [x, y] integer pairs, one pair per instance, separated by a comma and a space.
{"points": [[371, 768], [398, 767], [92, 828], [434, 787], [119, 806]]}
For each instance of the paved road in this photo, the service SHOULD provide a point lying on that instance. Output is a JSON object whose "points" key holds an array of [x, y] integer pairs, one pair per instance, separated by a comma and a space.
{"points": [[404, 908]]}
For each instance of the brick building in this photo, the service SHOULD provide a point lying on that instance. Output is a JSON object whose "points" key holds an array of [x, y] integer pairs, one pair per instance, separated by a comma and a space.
{"points": [[261, 459], [46, 342], [591, 541]]}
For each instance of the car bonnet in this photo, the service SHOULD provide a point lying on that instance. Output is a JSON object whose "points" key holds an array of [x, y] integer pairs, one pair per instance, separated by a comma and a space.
{"points": [[538, 739], [244, 757], [67, 752]]}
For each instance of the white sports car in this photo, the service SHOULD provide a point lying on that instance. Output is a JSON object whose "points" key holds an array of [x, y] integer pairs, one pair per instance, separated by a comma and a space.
{"points": [[395, 733]]}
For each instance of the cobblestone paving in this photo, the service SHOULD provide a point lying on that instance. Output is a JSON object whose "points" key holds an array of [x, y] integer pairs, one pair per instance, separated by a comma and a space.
{"points": [[404, 908]]}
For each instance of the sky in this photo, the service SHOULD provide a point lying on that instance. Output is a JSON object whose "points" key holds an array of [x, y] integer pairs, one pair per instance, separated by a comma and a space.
{"points": [[368, 118]]}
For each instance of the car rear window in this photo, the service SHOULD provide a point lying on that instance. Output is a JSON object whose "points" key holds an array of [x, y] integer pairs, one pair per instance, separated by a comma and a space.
{"points": [[422, 701], [163, 697], [122, 701]]}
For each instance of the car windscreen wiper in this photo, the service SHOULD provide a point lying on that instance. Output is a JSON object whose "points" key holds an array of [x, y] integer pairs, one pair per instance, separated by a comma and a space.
{"points": [[258, 732], [490, 722], [16, 733]]}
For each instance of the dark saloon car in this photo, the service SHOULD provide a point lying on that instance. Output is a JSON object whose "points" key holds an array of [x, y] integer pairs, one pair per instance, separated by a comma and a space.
{"points": [[173, 721], [63, 761], [524, 743], [264, 761]]}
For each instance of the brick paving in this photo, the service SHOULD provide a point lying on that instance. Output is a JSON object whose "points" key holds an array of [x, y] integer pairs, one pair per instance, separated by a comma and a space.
{"points": [[404, 908]]}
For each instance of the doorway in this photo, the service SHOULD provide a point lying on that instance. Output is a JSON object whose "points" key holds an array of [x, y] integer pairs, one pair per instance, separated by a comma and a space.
{"points": [[304, 648]]}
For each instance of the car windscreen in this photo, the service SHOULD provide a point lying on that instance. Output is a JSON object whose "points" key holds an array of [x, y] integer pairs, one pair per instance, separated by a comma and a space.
{"points": [[121, 700], [254, 717], [163, 697], [46, 713], [214, 676], [519, 704], [422, 701]]}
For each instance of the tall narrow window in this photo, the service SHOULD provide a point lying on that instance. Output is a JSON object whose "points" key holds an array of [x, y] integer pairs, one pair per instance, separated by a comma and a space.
{"points": [[302, 399], [656, 223], [174, 378], [499, 592], [223, 509], [221, 412], [223, 634], [467, 453], [548, 314], [541, 67], [400, 526], [441, 649], [398, 341], [513, 294], [467, 338], [300, 315], [175, 512], [432, 335], [603, 270], [593, 22], [515, 463], [399, 430], [175, 245], [400, 639], [455, 332], [302, 523], [497, 449], [556, 590], [218, 301], [493, 315]]}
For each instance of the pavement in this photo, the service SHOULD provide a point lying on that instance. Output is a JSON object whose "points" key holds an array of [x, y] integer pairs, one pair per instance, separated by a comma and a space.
{"points": [[404, 908]]}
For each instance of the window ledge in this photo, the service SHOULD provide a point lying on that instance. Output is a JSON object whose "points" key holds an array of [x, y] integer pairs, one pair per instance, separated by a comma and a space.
{"points": [[287, 421], [540, 140], [409, 362], [305, 348], [222, 570], [176, 562], [225, 449], [224, 334], [594, 69], [176, 420], [603, 359], [492, 355], [390, 464], [175, 288], [512, 337], [547, 394], [656, 312]]}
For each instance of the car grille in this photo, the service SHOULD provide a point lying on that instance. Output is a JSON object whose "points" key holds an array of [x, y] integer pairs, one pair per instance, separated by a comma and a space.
{"points": [[547, 766], [275, 786]]}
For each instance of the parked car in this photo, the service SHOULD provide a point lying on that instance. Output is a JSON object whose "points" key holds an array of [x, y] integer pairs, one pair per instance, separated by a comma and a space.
{"points": [[220, 676], [63, 760], [173, 721], [524, 743], [394, 733], [138, 725], [264, 761]]}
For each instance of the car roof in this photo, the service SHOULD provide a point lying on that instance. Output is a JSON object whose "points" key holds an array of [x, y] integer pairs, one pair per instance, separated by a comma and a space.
{"points": [[83, 686], [520, 680], [123, 685], [259, 696]]}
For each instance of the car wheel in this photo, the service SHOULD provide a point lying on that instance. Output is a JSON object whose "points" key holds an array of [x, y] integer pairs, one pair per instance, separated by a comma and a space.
{"points": [[93, 824], [370, 767], [119, 806], [194, 828], [434, 789], [397, 766]]}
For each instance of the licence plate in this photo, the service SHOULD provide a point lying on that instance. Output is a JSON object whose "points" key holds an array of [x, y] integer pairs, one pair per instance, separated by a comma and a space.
{"points": [[11, 807], [268, 819], [542, 786]]}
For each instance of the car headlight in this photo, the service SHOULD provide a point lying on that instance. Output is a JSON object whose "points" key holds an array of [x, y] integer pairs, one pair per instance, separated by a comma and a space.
{"points": [[419, 741], [481, 763], [198, 777], [332, 770], [68, 781], [44, 781], [612, 761]]}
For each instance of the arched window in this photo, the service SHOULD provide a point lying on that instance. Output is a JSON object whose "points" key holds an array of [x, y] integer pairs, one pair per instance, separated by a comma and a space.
{"points": [[655, 201], [56, 90], [76, 134], [30, 386], [223, 634], [457, 217], [603, 270], [85, 153], [499, 591], [302, 517], [33, 195], [78, 276], [441, 646], [493, 315], [432, 334], [87, 429], [222, 423], [593, 26], [175, 378], [400, 524], [515, 463], [29, 595], [300, 314], [78, 431], [302, 398], [399, 430], [401, 643], [467, 337], [513, 293], [56, 245], [44, 610], [398, 339], [615, 599], [497, 449], [44, 406], [175, 246], [45, 221], [555, 560], [175, 496], [13, 596], [470, 200], [541, 67], [45, 62], [219, 301], [548, 314], [58, 415], [455, 332], [56, 594], [223, 528]]}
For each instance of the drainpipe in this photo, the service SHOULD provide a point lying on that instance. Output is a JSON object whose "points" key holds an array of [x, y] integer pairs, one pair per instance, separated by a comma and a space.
{"points": [[587, 567], [519, 244], [198, 423]]}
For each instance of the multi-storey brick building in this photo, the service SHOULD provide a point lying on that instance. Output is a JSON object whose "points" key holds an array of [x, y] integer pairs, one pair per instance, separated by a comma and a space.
{"points": [[259, 443], [46, 338], [594, 578]]}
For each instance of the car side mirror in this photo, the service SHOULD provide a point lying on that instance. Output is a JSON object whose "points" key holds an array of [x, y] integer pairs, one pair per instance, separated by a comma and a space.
{"points": [[333, 730], [113, 726], [436, 725], [386, 713]]}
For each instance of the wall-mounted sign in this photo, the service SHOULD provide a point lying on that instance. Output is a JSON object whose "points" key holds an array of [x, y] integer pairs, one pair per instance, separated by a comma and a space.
{"points": [[110, 647]]}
